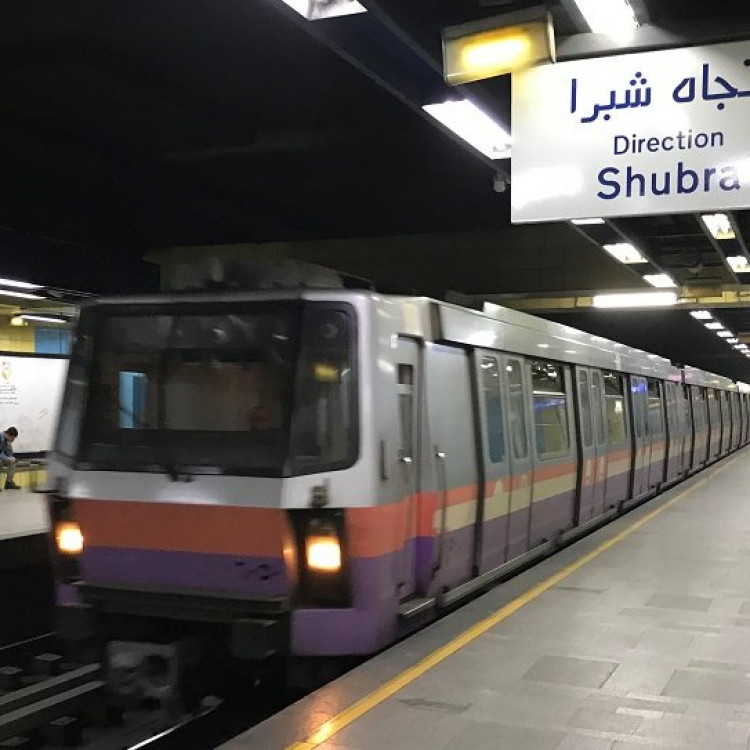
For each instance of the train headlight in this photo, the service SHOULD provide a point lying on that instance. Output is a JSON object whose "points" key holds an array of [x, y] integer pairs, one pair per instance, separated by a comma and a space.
{"points": [[323, 551], [68, 538]]}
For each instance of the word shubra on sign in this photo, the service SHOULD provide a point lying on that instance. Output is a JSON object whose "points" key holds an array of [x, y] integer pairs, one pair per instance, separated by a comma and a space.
{"points": [[649, 133]]}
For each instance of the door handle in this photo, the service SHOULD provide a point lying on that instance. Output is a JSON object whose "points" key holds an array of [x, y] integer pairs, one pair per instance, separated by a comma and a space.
{"points": [[406, 460]]}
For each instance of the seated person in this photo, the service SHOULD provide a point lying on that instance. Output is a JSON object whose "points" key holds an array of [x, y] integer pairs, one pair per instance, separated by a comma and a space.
{"points": [[7, 459]]}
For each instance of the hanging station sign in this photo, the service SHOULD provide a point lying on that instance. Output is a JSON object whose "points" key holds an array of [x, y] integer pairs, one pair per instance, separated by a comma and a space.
{"points": [[648, 133]]}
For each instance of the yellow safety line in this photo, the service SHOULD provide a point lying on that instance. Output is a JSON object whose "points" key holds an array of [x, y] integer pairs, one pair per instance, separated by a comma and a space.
{"points": [[385, 691]]}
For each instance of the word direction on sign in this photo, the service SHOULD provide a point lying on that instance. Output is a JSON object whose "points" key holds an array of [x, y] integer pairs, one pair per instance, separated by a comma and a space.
{"points": [[657, 132]]}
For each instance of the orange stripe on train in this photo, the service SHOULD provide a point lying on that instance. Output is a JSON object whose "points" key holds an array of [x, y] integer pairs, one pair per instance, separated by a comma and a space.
{"points": [[210, 529]]}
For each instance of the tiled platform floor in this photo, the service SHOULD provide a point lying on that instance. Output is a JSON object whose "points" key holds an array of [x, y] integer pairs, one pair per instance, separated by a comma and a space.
{"points": [[645, 646]]}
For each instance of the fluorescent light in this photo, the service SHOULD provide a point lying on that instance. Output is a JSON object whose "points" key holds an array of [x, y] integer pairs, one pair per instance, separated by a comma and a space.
{"points": [[738, 263], [490, 52], [732, 341], [724, 334], [625, 253], [314, 10], [19, 295], [714, 326], [613, 17], [587, 222], [478, 129], [659, 279], [702, 315], [638, 299], [719, 226], [18, 284], [43, 318], [741, 347]]}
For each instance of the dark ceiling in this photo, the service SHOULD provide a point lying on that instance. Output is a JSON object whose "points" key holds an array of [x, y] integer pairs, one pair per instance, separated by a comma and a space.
{"points": [[127, 126]]}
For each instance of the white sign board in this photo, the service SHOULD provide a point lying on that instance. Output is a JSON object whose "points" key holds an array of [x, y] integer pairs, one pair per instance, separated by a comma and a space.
{"points": [[650, 133], [30, 396]]}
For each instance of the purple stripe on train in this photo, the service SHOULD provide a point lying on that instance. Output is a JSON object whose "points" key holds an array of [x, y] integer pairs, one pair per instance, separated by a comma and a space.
{"points": [[256, 576]]}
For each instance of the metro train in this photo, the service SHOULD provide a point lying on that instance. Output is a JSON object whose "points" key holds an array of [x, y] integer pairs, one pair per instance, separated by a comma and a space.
{"points": [[315, 473]]}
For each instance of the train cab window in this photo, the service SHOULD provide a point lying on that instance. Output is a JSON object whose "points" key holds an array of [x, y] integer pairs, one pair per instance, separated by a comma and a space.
{"points": [[324, 404], [493, 409], [584, 400], [550, 409], [614, 402], [655, 409], [517, 411]]}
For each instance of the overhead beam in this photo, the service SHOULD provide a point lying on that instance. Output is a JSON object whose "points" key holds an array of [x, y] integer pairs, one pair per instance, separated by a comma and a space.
{"points": [[650, 37], [717, 248], [690, 298]]}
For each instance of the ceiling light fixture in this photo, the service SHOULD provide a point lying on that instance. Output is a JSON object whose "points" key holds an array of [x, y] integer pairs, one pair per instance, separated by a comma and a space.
{"points": [[616, 18], [738, 263], [43, 318], [719, 226], [587, 222], [473, 125], [496, 46], [19, 295], [714, 326], [314, 10], [637, 299], [732, 341], [659, 280], [19, 284], [702, 315], [724, 334], [625, 253]]}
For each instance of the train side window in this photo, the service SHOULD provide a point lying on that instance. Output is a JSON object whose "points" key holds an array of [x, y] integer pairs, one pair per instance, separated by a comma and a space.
{"points": [[655, 409], [584, 399], [517, 410], [614, 402], [597, 406], [405, 409], [550, 409], [493, 409]]}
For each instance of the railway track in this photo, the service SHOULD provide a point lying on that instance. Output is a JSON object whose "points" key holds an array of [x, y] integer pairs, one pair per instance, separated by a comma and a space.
{"points": [[48, 702]]}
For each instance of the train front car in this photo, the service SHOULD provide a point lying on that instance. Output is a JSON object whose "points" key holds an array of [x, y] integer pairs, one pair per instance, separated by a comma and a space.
{"points": [[208, 457]]}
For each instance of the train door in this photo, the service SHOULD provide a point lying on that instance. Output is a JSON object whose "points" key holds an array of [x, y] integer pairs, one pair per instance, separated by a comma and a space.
{"points": [[409, 387], [555, 462], [600, 438], [641, 446], [495, 506], [734, 401], [519, 455], [449, 384], [656, 432], [726, 422], [675, 431], [619, 442], [586, 446], [700, 426], [714, 425], [745, 418]]}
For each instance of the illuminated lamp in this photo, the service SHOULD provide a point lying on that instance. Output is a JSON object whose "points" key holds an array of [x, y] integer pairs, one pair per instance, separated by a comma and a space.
{"points": [[496, 46]]}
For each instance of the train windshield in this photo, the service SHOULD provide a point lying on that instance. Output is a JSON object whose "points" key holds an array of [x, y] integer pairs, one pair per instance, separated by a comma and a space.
{"points": [[263, 389]]}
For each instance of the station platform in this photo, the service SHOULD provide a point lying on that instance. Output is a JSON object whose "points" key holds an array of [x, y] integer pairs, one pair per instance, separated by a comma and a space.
{"points": [[26, 587], [22, 513], [637, 636]]}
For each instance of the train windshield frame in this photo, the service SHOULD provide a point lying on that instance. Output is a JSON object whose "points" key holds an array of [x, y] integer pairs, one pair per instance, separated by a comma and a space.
{"points": [[261, 388]]}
